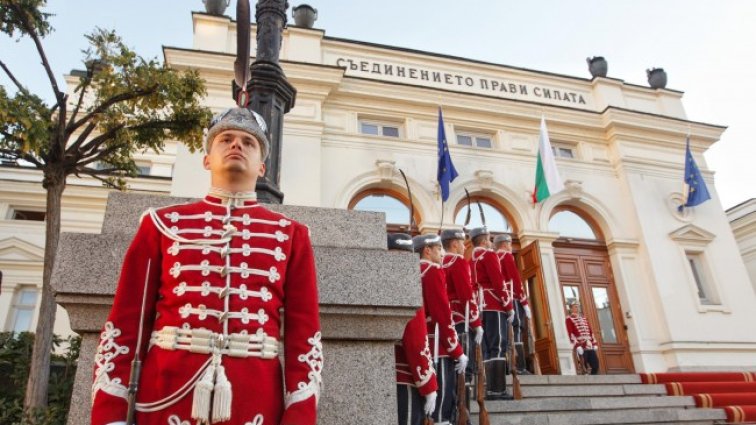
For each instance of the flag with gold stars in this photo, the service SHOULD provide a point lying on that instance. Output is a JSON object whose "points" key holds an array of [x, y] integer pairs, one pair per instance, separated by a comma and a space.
{"points": [[446, 171], [695, 190]]}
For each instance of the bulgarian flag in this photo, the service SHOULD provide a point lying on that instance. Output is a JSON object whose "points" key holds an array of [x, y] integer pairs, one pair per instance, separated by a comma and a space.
{"points": [[547, 181]]}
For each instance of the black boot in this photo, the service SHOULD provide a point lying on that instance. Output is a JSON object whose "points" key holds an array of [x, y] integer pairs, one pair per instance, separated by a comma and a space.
{"points": [[522, 368], [502, 370]]}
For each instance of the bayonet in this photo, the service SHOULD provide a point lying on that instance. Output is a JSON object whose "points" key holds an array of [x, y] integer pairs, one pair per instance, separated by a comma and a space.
{"points": [[243, 52]]}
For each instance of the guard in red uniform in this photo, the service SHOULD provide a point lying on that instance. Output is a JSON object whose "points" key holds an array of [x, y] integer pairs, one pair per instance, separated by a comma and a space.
{"points": [[449, 357], [462, 297], [498, 313], [503, 245], [416, 383], [581, 337], [215, 283]]}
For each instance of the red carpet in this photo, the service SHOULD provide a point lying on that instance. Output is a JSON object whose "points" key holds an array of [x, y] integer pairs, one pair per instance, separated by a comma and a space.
{"points": [[725, 399], [735, 392], [663, 378], [740, 414]]}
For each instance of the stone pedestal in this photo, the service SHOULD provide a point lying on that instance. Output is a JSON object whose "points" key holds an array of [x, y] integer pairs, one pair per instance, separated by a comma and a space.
{"points": [[367, 295]]}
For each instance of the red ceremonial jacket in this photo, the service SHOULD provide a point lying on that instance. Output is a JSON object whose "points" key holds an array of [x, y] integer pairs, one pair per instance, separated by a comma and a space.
{"points": [[580, 332], [460, 291], [437, 310], [512, 276], [414, 365], [222, 275], [487, 273]]}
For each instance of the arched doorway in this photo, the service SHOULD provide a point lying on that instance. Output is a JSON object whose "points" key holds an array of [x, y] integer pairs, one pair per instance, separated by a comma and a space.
{"points": [[585, 275], [498, 220], [393, 204]]}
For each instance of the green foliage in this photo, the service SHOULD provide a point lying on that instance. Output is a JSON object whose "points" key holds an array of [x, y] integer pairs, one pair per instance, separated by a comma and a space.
{"points": [[15, 357], [18, 17], [123, 104]]}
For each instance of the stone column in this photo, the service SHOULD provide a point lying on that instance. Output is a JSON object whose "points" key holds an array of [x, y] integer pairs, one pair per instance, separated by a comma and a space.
{"points": [[367, 295]]}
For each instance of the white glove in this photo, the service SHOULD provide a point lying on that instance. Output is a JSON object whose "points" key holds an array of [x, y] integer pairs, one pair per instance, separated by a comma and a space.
{"points": [[528, 314], [589, 345], [510, 317], [461, 364], [579, 351], [595, 348], [479, 335], [430, 403]]}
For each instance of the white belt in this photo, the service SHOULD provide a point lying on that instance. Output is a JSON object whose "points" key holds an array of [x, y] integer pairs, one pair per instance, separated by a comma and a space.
{"points": [[203, 341]]}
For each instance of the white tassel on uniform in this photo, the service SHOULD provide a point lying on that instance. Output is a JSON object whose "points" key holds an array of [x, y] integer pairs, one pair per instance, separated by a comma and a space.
{"points": [[222, 397], [202, 396]]}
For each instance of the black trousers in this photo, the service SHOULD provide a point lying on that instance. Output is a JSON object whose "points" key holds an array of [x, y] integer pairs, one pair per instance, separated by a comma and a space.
{"points": [[410, 405], [520, 326], [446, 401], [495, 336], [591, 357], [495, 349]]}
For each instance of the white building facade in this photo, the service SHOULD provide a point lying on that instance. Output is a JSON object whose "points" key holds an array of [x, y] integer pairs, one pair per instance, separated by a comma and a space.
{"points": [[665, 290]]}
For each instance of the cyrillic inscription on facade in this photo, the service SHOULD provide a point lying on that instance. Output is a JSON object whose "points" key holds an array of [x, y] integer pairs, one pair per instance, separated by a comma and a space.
{"points": [[463, 82]]}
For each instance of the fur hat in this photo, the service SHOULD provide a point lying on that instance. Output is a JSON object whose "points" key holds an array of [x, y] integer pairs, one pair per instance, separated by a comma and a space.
{"points": [[420, 242], [241, 119], [399, 241]]}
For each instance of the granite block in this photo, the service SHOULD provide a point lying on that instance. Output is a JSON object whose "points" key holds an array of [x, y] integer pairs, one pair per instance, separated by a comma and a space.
{"points": [[364, 323], [358, 384], [91, 264], [88, 263], [81, 398], [328, 226], [368, 277]]}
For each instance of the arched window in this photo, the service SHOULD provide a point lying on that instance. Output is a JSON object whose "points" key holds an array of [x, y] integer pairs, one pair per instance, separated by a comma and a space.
{"points": [[394, 205], [570, 223], [496, 220]]}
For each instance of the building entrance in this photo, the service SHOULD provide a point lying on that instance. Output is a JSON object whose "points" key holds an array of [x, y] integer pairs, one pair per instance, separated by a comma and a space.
{"points": [[585, 275]]}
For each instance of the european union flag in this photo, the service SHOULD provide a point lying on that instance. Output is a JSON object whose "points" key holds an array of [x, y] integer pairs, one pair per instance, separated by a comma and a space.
{"points": [[695, 187], [446, 171]]}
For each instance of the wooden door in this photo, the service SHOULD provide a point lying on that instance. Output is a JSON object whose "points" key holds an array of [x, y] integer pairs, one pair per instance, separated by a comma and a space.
{"points": [[586, 274], [545, 344]]}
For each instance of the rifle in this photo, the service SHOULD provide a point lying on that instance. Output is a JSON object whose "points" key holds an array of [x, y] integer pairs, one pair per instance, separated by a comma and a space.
{"points": [[516, 390], [531, 348], [481, 387], [462, 413], [136, 364]]}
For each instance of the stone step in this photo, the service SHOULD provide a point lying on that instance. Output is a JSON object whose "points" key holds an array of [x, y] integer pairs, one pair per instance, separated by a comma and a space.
{"points": [[577, 379], [566, 404], [618, 416], [620, 390]]}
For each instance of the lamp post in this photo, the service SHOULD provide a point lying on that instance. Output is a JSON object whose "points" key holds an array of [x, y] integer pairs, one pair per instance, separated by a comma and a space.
{"points": [[271, 95]]}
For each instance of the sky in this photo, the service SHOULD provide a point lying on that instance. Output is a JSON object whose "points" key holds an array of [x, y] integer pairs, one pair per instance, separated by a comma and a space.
{"points": [[707, 47]]}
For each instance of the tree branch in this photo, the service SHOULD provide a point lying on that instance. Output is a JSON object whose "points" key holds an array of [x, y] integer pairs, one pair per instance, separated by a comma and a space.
{"points": [[90, 172], [38, 43], [110, 102], [94, 143], [97, 155], [74, 148], [21, 88], [84, 86]]}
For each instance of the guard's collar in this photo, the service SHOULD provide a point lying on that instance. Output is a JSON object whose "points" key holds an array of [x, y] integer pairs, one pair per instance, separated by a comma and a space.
{"points": [[223, 197]]}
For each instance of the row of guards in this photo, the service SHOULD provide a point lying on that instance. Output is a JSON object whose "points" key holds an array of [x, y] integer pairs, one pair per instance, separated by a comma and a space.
{"points": [[474, 307], [468, 335]]}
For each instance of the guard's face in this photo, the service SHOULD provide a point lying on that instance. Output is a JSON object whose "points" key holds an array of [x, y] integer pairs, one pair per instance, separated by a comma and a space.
{"points": [[574, 309], [457, 246], [235, 151], [436, 254]]}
